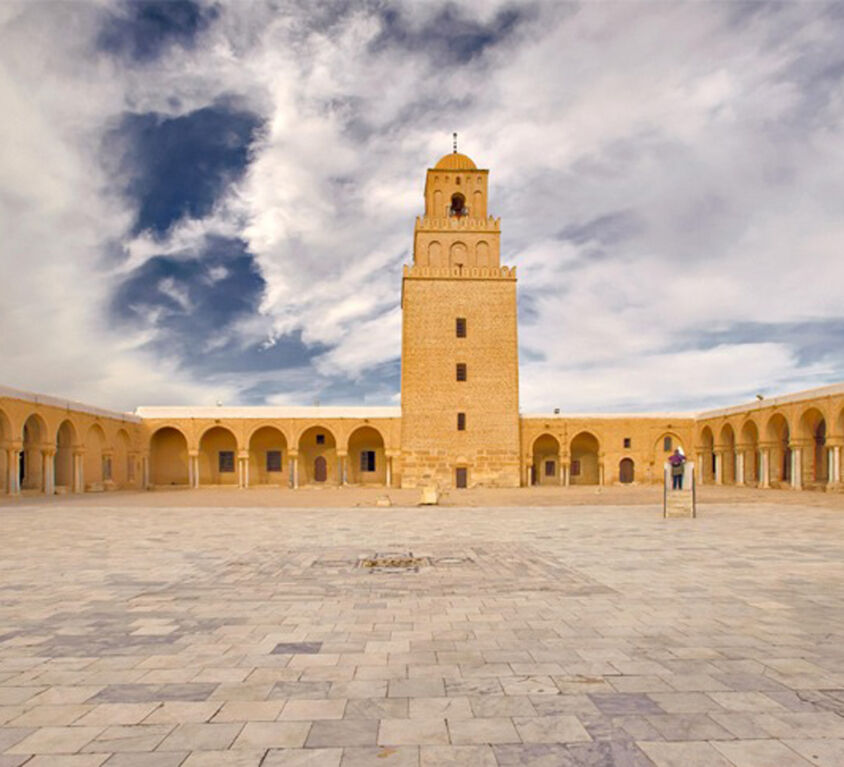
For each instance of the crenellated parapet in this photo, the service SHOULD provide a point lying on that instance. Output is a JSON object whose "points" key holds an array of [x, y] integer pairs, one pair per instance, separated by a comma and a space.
{"points": [[456, 272], [458, 224]]}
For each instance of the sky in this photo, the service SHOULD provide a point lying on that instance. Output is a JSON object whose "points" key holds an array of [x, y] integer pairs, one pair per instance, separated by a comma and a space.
{"points": [[208, 202]]}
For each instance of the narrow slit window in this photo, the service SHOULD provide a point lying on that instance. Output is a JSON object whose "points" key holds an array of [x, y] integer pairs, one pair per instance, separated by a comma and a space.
{"points": [[461, 371], [320, 439], [666, 444], [461, 327], [461, 422], [627, 442]]}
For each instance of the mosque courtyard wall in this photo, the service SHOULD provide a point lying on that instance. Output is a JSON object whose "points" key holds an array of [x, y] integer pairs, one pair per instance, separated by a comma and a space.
{"points": [[48, 445]]}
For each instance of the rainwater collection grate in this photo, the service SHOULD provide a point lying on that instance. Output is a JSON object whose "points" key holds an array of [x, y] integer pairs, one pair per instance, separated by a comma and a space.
{"points": [[393, 562]]}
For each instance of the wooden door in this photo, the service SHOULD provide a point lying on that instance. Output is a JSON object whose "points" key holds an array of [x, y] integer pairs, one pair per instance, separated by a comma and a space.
{"points": [[461, 476], [320, 469]]}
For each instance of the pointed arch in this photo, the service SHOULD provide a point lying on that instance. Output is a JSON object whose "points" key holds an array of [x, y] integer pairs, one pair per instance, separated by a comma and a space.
{"points": [[812, 429], [707, 450], [778, 437], [268, 455], [34, 436], [584, 449], [317, 442], [545, 452], [168, 457], [95, 444], [218, 456], [367, 457], [66, 439]]}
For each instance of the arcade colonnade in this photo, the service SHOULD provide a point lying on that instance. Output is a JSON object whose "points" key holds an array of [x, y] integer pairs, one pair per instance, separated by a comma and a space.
{"points": [[601, 449], [791, 441], [52, 446], [279, 448], [49, 445]]}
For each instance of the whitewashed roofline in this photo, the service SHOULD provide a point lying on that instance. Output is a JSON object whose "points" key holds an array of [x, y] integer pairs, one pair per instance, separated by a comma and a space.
{"points": [[820, 391], [66, 404]]}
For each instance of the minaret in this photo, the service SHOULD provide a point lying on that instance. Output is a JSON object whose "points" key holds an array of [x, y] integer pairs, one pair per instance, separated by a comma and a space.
{"points": [[460, 368]]}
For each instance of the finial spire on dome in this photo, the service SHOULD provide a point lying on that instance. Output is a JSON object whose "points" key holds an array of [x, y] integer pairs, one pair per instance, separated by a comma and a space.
{"points": [[455, 142]]}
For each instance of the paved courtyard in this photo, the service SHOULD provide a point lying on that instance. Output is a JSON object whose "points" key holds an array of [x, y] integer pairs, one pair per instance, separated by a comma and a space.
{"points": [[581, 635]]}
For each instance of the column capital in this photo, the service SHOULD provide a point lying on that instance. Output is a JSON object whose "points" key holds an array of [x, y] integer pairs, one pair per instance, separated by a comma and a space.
{"points": [[243, 454], [193, 453], [342, 453], [293, 453]]}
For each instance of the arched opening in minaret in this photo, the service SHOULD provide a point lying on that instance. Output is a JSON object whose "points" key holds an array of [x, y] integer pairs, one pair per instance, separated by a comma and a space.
{"points": [[458, 205]]}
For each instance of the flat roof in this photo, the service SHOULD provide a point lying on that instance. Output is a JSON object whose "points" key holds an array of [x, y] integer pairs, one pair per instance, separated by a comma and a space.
{"points": [[66, 404], [269, 412], [765, 402]]}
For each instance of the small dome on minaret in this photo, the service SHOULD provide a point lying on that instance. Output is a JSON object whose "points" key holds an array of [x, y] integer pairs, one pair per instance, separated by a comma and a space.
{"points": [[455, 161]]}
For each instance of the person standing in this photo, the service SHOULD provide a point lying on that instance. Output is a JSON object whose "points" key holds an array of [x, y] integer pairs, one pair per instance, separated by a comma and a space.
{"points": [[678, 467]]}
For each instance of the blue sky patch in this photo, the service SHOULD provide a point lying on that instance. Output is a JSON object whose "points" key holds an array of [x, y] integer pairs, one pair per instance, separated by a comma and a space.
{"points": [[142, 29], [180, 166]]}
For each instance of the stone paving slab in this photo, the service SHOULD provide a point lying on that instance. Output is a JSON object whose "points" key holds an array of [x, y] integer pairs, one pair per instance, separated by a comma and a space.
{"points": [[155, 637]]}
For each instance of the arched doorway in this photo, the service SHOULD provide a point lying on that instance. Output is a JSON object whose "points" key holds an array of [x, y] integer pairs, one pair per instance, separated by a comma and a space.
{"points": [[778, 436], [749, 449], [31, 462], [120, 464], [707, 450], [65, 440], [317, 442], [218, 457], [94, 473], [626, 471], [367, 461], [727, 447], [584, 459], [546, 460], [168, 457], [267, 457], [815, 461]]}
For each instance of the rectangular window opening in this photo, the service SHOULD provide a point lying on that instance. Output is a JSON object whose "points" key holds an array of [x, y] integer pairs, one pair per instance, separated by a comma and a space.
{"points": [[320, 439], [461, 477], [226, 461], [273, 460], [461, 422], [367, 460], [461, 371], [575, 468], [461, 327], [666, 444], [550, 468], [627, 442]]}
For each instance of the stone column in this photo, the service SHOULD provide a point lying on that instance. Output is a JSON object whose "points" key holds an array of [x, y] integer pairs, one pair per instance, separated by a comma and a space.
{"points": [[48, 469], [739, 467], [13, 481], [562, 478], [765, 468], [294, 468], [243, 469], [719, 467], [389, 468], [341, 467], [699, 468], [835, 473], [601, 471], [145, 472], [566, 469], [796, 467], [78, 471], [193, 469]]}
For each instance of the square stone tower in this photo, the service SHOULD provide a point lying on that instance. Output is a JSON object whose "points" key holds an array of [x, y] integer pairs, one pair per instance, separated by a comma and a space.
{"points": [[460, 366]]}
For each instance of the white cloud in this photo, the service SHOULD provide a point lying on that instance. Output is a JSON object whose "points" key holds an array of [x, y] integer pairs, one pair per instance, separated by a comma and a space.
{"points": [[719, 138]]}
